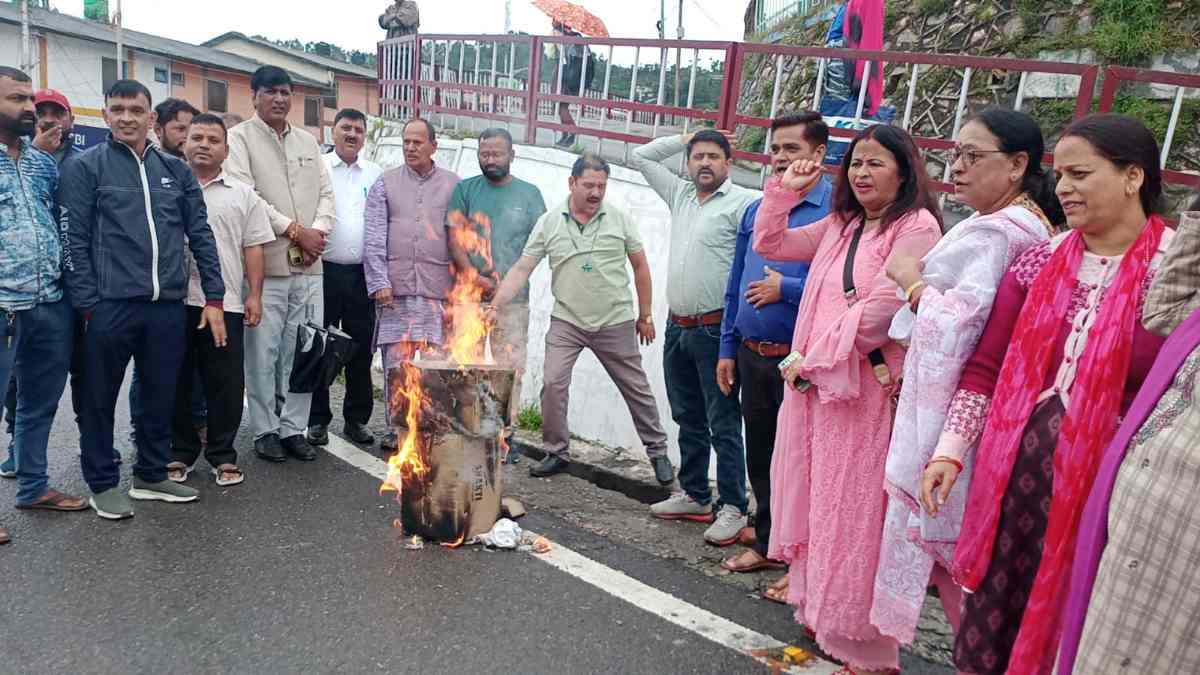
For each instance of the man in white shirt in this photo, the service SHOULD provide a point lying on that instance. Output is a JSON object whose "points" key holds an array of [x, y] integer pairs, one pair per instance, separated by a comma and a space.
{"points": [[238, 219], [347, 304]]}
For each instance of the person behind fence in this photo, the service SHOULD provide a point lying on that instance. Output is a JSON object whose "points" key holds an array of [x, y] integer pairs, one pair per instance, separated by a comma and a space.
{"points": [[706, 213], [997, 171], [238, 218], [55, 121], [502, 210], [576, 62], [283, 164], [1059, 361], [406, 254], [588, 243], [347, 304], [35, 315], [1143, 504], [827, 503], [131, 212], [761, 301]]}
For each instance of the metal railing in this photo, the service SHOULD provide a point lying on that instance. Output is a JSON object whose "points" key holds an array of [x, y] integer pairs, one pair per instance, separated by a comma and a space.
{"points": [[1117, 76], [426, 74], [770, 13]]}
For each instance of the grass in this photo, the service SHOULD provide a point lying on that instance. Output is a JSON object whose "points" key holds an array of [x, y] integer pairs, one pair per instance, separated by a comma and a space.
{"points": [[530, 418]]}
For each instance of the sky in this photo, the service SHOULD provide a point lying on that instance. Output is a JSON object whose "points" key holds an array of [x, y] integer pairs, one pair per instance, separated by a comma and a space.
{"points": [[352, 24]]}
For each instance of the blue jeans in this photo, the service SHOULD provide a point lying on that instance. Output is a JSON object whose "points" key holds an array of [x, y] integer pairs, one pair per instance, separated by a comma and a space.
{"points": [[35, 348], [706, 417], [199, 409]]}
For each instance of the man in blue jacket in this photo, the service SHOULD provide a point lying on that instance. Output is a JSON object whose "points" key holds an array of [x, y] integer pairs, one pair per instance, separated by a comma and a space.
{"points": [[35, 319], [129, 211], [761, 302]]}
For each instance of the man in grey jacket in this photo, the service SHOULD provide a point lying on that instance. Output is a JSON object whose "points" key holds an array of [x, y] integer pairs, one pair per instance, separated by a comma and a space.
{"points": [[129, 210]]}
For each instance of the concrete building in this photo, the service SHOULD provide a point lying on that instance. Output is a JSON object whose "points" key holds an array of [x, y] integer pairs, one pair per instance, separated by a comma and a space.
{"points": [[347, 85], [78, 57]]}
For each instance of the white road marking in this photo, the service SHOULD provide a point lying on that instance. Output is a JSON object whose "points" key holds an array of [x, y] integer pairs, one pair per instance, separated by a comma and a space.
{"points": [[620, 585]]}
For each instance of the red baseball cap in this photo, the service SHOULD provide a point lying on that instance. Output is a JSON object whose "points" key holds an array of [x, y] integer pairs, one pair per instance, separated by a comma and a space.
{"points": [[52, 96]]}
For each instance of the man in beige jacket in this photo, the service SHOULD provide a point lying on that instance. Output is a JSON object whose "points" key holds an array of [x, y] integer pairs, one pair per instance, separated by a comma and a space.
{"points": [[283, 164]]}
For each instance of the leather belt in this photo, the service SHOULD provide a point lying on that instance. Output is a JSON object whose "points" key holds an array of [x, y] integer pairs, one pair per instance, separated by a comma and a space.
{"points": [[709, 319], [769, 350]]}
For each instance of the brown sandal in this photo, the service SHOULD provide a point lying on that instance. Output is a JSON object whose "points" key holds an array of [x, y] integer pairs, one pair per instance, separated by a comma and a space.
{"points": [[228, 475], [759, 562], [4, 538], [777, 591], [54, 500]]}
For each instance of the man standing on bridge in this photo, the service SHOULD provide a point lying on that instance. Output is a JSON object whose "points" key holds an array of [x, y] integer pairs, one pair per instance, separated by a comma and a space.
{"points": [[706, 213], [588, 243]]}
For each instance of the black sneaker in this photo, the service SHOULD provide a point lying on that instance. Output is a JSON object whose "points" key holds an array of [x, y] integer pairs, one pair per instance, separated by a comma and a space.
{"points": [[269, 448], [358, 433], [299, 448], [549, 466], [664, 473], [318, 434]]}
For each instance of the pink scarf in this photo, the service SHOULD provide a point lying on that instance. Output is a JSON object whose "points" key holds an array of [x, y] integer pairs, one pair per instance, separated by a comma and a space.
{"points": [[1089, 425]]}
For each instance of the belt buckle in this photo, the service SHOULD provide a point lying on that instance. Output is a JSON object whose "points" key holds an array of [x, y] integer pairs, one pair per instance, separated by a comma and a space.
{"points": [[851, 296], [762, 349]]}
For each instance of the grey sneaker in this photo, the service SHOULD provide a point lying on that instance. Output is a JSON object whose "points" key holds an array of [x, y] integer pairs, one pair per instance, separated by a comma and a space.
{"points": [[725, 530], [679, 506], [112, 504], [163, 491]]}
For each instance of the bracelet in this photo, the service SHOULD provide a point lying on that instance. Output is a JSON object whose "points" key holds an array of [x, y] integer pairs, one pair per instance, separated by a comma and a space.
{"points": [[947, 460], [911, 289]]}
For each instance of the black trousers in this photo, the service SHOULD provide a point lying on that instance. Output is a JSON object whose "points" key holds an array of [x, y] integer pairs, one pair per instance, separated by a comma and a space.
{"points": [[762, 395], [348, 307], [221, 370], [76, 379]]}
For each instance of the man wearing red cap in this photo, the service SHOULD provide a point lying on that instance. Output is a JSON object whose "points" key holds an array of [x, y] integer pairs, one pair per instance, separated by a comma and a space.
{"points": [[54, 125]]}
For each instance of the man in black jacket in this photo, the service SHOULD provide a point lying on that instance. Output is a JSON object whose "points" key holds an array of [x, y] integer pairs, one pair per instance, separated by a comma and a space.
{"points": [[129, 210]]}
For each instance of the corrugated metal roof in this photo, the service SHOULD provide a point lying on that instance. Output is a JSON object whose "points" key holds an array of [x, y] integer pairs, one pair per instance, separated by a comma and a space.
{"points": [[323, 61], [65, 24]]}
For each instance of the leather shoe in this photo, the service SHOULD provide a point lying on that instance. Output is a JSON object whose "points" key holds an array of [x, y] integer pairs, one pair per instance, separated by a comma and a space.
{"points": [[318, 434], [358, 433], [269, 448], [549, 466], [299, 448], [664, 473], [390, 442]]}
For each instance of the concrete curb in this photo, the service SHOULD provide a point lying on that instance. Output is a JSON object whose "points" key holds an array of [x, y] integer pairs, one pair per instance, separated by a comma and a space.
{"points": [[606, 468]]}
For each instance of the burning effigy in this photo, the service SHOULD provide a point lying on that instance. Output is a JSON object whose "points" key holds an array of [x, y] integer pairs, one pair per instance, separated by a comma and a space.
{"points": [[451, 410]]}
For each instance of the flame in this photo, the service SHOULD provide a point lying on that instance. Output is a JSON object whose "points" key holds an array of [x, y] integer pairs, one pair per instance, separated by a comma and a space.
{"points": [[469, 325], [407, 460]]}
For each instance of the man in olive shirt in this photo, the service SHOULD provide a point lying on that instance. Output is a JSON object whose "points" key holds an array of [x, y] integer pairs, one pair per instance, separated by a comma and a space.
{"points": [[588, 243], [502, 209], [706, 213], [283, 165]]}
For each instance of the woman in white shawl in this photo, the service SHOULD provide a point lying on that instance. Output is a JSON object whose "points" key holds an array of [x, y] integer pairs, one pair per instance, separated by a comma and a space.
{"points": [[997, 170]]}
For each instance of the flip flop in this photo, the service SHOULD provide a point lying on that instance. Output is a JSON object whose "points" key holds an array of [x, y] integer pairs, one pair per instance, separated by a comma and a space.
{"points": [[227, 469], [177, 467], [761, 563], [776, 592], [54, 500], [4, 538]]}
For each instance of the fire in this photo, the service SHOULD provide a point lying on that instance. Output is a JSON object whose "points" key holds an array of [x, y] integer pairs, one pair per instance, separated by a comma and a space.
{"points": [[407, 459], [469, 328]]}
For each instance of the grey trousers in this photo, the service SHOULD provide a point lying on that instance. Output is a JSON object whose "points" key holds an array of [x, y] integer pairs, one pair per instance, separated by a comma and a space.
{"points": [[617, 349], [270, 350]]}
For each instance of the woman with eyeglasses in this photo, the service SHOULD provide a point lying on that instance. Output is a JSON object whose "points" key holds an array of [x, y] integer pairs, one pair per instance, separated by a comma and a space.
{"points": [[827, 509], [997, 171], [1059, 362]]}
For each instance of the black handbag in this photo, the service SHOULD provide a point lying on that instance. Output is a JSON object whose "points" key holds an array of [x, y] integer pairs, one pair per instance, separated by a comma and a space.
{"points": [[321, 353]]}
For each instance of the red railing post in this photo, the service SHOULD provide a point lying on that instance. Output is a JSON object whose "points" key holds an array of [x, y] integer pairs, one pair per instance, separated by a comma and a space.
{"points": [[1087, 91], [1109, 93], [531, 93], [731, 87]]}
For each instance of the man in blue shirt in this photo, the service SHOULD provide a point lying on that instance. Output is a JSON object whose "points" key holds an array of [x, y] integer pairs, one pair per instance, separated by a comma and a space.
{"points": [[761, 301]]}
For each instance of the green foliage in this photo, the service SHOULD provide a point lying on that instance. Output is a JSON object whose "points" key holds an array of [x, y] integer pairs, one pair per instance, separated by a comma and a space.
{"points": [[530, 418], [933, 7], [1131, 31], [326, 49]]}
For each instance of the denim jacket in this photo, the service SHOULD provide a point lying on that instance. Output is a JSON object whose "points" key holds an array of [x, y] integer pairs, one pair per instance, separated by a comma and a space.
{"points": [[31, 248]]}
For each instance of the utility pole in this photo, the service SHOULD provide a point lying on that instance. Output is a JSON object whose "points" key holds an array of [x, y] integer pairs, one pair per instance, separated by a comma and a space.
{"points": [[678, 53], [507, 16], [118, 19], [26, 61]]}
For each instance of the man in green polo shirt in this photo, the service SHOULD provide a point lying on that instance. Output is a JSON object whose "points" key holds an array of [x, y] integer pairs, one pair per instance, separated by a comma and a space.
{"points": [[588, 243]]}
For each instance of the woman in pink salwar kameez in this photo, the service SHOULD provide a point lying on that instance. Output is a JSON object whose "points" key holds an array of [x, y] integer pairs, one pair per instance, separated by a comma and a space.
{"points": [[827, 474]]}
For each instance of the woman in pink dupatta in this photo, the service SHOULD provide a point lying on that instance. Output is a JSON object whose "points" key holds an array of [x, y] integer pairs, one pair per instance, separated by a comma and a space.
{"points": [[827, 499], [997, 171]]}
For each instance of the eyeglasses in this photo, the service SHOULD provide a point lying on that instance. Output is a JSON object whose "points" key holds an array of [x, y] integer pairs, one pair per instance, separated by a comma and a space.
{"points": [[969, 157]]}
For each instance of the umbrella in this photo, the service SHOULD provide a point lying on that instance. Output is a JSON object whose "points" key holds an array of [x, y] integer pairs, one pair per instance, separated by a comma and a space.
{"points": [[573, 16]]}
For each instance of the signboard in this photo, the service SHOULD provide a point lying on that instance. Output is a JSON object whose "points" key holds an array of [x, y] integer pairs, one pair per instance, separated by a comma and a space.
{"points": [[96, 10]]}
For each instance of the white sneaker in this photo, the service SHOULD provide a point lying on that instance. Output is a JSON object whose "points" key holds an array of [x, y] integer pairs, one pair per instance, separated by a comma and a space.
{"points": [[679, 506], [728, 525]]}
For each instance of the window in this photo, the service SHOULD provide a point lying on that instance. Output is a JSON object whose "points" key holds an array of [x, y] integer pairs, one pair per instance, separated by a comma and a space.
{"points": [[331, 97], [177, 79], [108, 72], [312, 112], [160, 75], [217, 95]]}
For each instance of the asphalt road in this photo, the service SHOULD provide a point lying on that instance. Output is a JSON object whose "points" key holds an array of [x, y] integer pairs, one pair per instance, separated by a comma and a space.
{"points": [[300, 569]]}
